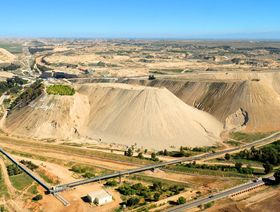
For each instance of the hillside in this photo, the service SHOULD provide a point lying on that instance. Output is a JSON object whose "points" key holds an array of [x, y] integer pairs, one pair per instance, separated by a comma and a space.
{"points": [[257, 95], [117, 113], [6, 56]]}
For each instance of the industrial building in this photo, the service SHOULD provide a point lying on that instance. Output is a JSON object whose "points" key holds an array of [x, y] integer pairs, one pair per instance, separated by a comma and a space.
{"points": [[100, 197]]}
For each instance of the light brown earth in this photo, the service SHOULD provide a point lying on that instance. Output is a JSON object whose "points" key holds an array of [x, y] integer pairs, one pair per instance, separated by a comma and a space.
{"points": [[265, 201], [117, 113], [224, 94], [6, 56]]}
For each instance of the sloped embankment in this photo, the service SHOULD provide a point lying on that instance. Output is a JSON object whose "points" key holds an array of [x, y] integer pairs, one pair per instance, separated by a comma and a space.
{"points": [[120, 113], [252, 105]]}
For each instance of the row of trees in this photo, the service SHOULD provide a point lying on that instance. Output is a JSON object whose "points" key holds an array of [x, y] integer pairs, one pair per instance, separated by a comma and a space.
{"points": [[238, 167], [130, 152], [269, 153], [29, 165], [29, 94]]}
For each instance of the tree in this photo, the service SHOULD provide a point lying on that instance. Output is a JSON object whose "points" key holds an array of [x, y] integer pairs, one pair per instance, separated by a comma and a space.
{"points": [[132, 201], [181, 200], [156, 196], [227, 156], [267, 167], [165, 152], [140, 155], [37, 197], [128, 152], [238, 166], [154, 156], [277, 176]]}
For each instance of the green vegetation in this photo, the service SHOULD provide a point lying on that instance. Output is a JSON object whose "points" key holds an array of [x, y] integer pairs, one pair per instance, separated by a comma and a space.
{"points": [[12, 85], [33, 189], [277, 176], [224, 168], [37, 197], [14, 48], [138, 194], [227, 156], [29, 165], [21, 181], [181, 200], [87, 171], [248, 137], [268, 154], [130, 151], [29, 94], [2, 208], [3, 190], [213, 170], [111, 183], [46, 178], [149, 179], [187, 151], [233, 143], [13, 170], [208, 205], [60, 90]]}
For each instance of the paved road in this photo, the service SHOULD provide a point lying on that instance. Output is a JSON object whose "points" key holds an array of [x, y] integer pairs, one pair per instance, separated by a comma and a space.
{"points": [[216, 196]]}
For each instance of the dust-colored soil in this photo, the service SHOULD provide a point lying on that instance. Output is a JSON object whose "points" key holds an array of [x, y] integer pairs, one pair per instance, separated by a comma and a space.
{"points": [[267, 200], [223, 94], [6, 56], [62, 173], [117, 113]]}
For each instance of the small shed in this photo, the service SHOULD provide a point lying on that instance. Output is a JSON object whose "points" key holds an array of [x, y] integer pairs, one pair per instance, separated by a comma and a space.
{"points": [[100, 197]]}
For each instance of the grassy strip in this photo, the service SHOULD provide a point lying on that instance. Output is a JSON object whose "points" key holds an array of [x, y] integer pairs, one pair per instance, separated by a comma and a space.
{"points": [[208, 172], [3, 187], [249, 137], [150, 179]]}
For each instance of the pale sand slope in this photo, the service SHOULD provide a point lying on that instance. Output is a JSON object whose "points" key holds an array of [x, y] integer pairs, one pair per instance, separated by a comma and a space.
{"points": [[120, 113], [6, 56], [260, 99]]}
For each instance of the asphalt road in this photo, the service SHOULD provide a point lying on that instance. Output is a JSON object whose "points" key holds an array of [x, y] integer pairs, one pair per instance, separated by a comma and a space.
{"points": [[216, 196]]}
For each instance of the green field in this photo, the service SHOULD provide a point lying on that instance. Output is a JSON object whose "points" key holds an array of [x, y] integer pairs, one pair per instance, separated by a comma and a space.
{"points": [[3, 190], [248, 137], [21, 181], [60, 90], [12, 47]]}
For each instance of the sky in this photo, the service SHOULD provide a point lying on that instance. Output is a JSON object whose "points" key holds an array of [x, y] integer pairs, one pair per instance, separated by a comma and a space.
{"points": [[168, 19]]}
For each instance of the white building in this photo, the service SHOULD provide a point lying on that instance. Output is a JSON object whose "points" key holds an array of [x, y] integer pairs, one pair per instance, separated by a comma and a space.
{"points": [[100, 197]]}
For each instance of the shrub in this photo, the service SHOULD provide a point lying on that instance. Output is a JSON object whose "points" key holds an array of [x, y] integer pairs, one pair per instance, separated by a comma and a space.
{"points": [[277, 176], [111, 183], [29, 165], [132, 201], [181, 200], [29, 94], [227, 156], [37, 197]]}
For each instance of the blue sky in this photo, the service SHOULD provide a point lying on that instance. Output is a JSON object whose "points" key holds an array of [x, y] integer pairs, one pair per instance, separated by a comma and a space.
{"points": [[252, 19]]}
